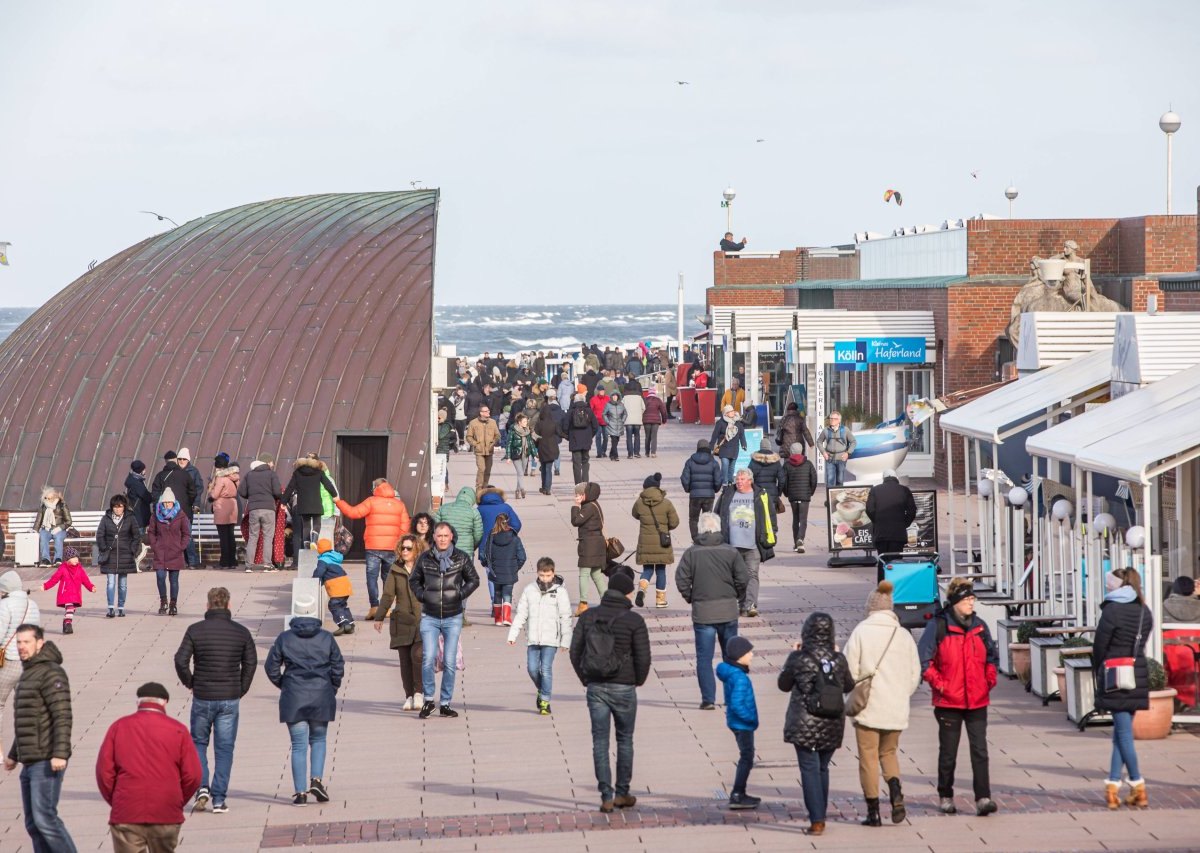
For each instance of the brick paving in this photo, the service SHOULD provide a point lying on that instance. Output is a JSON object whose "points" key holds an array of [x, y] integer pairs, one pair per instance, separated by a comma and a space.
{"points": [[502, 778]]}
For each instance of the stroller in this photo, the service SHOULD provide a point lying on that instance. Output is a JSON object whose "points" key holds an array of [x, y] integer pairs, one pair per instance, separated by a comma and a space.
{"points": [[914, 578]]}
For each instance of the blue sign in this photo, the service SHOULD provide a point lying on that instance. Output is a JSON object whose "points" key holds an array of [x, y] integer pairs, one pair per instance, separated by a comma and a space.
{"points": [[857, 354], [849, 352]]}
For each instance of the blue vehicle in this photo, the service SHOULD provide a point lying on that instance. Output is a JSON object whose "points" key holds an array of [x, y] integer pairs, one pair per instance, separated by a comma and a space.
{"points": [[914, 578]]}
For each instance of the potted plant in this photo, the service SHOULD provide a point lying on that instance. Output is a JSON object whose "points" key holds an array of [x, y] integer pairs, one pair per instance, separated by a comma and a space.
{"points": [[1019, 651], [1060, 672], [1155, 723]]}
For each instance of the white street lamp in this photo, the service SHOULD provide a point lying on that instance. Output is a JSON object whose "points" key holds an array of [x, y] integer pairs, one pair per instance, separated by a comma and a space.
{"points": [[1010, 194], [728, 195], [1168, 124]]}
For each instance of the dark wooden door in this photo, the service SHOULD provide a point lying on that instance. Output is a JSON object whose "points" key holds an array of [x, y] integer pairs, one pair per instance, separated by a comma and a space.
{"points": [[361, 459]]}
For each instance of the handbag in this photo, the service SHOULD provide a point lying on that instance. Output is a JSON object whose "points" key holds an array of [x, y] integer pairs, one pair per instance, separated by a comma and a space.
{"points": [[613, 547], [857, 701], [439, 663], [664, 538], [1119, 673], [780, 505]]}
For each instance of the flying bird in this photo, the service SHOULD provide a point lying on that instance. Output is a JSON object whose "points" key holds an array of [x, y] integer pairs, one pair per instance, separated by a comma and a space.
{"points": [[893, 194], [413, 184], [760, 140], [4, 253], [975, 174], [682, 83], [160, 217], [92, 264]]}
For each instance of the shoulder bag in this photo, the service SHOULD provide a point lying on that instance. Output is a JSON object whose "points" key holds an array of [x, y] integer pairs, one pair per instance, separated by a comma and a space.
{"points": [[664, 537], [613, 547], [857, 701], [1119, 673]]}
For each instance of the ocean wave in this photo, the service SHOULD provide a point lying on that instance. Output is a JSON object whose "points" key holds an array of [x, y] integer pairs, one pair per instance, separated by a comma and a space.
{"points": [[545, 343]]}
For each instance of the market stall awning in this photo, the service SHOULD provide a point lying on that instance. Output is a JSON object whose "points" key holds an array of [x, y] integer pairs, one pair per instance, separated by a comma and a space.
{"points": [[1134, 437], [1034, 398]]}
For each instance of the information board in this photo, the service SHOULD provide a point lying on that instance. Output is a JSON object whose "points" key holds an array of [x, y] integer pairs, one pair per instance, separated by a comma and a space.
{"points": [[850, 529]]}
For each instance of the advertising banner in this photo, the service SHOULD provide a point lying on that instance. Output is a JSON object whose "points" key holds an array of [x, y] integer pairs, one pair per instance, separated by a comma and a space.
{"points": [[851, 529]]}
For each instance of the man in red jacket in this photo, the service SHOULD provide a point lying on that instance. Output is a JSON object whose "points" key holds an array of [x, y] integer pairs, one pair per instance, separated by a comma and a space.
{"points": [[147, 771], [598, 402]]}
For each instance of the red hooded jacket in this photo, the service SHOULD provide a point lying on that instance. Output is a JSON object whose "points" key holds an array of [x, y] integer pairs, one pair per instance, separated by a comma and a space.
{"points": [[598, 402], [387, 518], [147, 769], [959, 663]]}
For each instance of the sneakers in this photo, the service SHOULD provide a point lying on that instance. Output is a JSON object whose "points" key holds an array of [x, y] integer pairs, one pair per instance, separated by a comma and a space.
{"points": [[543, 707], [110, 614], [121, 613], [447, 711], [946, 805], [300, 800], [317, 788], [707, 706], [426, 710], [418, 700], [985, 806], [408, 704], [202, 798], [624, 801], [743, 801], [220, 808]]}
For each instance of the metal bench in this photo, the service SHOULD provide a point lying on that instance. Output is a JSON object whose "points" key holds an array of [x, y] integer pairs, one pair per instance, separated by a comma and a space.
{"points": [[204, 531]]}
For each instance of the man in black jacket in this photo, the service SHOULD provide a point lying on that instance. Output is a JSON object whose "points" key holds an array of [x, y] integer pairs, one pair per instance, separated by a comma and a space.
{"points": [[442, 580], [224, 661], [701, 479], [582, 427], [177, 479], [748, 524], [891, 508], [610, 651], [260, 489]]}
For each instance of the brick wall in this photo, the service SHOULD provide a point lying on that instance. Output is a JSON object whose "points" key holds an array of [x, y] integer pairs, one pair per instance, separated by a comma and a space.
{"points": [[1004, 246], [843, 267], [784, 268], [1170, 244], [769, 296]]}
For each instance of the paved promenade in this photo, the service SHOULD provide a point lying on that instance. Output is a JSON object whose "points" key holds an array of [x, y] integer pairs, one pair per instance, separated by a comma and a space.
{"points": [[500, 777]]}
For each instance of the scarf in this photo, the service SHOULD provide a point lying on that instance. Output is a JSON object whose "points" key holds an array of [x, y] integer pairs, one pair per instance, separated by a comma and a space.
{"points": [[796, 458], [443, 558], [163, 514], [731, 426]]}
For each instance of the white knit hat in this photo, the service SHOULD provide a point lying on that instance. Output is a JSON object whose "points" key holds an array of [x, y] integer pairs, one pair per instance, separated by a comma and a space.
{"points": [[168, 496]]}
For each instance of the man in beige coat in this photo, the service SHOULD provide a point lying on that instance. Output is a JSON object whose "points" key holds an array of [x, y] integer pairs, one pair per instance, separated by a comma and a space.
{"points": [[879, 645], [482, 435]]}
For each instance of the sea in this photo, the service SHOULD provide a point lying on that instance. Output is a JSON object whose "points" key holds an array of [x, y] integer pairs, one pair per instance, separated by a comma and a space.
{"points": [[475, 329]]}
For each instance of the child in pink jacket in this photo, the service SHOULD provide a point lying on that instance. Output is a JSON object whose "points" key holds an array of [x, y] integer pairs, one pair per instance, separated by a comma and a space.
{"points": [[70, 577]]}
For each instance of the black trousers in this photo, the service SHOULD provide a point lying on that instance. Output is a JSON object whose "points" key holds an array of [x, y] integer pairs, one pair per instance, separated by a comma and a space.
{"points": [[886, 546], [695, 507], [651, 438], [799, 521], [950, 722], [580, 465], [228, 546]]}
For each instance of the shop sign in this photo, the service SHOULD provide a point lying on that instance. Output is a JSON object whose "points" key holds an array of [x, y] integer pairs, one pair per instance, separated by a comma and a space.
{"points": [[850, 527], [850, 355], [857, 354]]}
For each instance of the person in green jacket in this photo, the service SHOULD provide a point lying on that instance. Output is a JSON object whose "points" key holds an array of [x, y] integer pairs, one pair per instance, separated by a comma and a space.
{"points": [[464, 517]]}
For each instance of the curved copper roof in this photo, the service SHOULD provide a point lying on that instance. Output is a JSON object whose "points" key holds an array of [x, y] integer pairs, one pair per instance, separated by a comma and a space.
{"points": [[268, 327]]}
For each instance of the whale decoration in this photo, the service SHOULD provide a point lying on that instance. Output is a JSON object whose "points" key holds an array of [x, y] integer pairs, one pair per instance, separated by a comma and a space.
{"points": [[876, 450]]}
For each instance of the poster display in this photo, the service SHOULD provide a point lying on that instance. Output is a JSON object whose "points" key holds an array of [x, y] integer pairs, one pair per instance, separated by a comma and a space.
{"points": [[754, 437], [851, 529]]}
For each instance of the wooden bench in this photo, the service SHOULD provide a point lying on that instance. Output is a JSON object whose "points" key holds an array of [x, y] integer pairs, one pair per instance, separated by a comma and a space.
{"points": [[204, 531]]}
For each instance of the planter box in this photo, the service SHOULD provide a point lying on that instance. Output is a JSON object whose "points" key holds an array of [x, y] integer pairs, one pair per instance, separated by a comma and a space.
{"points": [[1043, 657], [1155, 723], [1020, 661]]}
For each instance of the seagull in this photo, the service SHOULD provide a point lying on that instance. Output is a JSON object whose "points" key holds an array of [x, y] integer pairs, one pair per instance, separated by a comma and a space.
{"points": [[682, 83], [413, 184], [975, 174], [760, 140], [160, 217]]}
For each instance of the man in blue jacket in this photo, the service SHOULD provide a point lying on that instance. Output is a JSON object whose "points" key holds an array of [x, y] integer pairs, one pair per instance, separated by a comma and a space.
{"points": [[701, 479]]}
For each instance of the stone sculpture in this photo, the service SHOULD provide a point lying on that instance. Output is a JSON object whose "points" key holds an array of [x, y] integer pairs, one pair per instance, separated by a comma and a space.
{"points": [[1073, 292]]}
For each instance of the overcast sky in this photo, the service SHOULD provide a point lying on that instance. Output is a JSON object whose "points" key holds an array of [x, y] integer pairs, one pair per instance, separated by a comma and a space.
{"points": [[573, 168]]}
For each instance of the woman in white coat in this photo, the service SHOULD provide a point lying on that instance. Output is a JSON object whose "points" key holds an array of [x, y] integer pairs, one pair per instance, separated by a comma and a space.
{"points": [[544, 610], [881, 646], [16, 608]]}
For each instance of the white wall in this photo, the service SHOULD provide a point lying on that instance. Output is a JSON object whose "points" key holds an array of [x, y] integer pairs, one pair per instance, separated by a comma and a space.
{"points": [[932, 253]]}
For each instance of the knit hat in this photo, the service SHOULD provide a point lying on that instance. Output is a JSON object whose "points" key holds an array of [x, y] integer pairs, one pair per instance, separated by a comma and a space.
{"points": [[324, 545], [880, 597], [1183, 585], [168, 495], [1112, 583], [765, 446], [153, 690], [10, 581], [183, 453], [959, 593], [653, 481], [737, 647], [266, 458], [221, 460], [137, 466], [169, 456], [703, 444], [70, 553], [621, 582], [797, 449]]}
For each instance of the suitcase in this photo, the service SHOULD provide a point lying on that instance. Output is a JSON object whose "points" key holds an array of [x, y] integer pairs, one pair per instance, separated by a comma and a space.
{"points": [[25, 548], [915, 594]]}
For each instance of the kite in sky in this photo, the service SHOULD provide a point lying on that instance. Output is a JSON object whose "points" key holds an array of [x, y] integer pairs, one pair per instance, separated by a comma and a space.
{"points": [[893, 194], [4, 253]]}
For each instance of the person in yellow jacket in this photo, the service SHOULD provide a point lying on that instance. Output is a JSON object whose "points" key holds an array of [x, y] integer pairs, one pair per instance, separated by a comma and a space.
{"points": [[735, 395]]}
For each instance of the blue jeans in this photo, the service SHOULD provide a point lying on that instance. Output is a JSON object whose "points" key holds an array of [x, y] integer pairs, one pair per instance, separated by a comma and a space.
{"points": [[448, 629], [339, 609], [502, 593], [160, 575], [44, 537], [707, 637], [633, 439], [40, 789], [835, 472], [727, 470], [814, 779], [117, 585], [745, 744], [218, 719], [617, 702], [1123, 752], [540, 663], [376, 560], [308, 739], [191, 554], [601, 441], [658, 572]]}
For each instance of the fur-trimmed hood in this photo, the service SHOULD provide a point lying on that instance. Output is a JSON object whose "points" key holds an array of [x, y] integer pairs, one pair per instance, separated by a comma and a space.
{"points": [[764, 458], [231, 471], [305, 462]]}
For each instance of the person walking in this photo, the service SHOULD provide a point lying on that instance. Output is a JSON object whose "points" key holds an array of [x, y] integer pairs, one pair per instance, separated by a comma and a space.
{"points": [[42, 740], [503, 557], [656, 517], [491, 506], [445, 439], [190, 507], [168, 535], [891, 508], [519, 450], [610, 653], [748, 524], [387, 520], [146, 771], [216, 660], [16, 608], [712, 578], [260, 490], [404, 627], [793, 429], [615, 414], [549, 433], [466, 518], [884, 655], [701, 478], [635, 412], [958, 660], [653, 417], [588, 517], [741, 716], [798, 486], [138, 499], [70, 577], [482, 435], [582, 427], [223, 502], [443, 578], [306, 665], [303, 496], [544, 611], [598, 402], [767, 470], [835, 443], [728, 439], [1119, 650], [816, 674], [52, 521]]}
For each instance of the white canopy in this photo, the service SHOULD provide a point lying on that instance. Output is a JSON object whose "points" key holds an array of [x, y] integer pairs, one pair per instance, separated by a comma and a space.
{"points": [[1034, 398], [1128, 437]]}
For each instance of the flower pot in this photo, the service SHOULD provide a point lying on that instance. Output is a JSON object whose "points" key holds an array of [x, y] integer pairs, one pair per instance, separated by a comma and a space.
{"points": [[1020, 661], [1155, 723], [1060, 674]]}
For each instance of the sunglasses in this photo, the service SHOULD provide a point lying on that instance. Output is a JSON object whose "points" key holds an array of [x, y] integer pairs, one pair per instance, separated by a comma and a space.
{"points": [[406, 547]]}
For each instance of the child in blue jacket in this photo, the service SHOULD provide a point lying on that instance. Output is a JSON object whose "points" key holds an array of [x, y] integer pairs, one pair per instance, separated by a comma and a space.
{"points": [[741, 715], [333, 577]]}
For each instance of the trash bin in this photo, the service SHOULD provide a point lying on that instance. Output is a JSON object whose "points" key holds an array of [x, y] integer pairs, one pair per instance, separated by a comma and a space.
{"points": [[706, 402], [687, 406], [760, 409]]}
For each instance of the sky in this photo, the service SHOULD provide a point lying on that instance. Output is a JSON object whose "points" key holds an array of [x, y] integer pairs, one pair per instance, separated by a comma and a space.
{"points": [[573, 167]]}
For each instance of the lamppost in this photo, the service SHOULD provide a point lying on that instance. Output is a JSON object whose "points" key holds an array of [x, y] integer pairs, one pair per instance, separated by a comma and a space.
{"points": [[1010, 194], [1168, 124], [728, 195]]}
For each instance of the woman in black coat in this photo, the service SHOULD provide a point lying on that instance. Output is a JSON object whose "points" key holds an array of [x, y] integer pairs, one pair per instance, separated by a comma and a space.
{"points": [[1125, 623], [549, 433], [587, 515], [815, 664], [307, 667], [118, 539]]}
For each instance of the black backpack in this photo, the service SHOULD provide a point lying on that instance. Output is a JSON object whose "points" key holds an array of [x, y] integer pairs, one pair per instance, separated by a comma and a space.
{"points": [[579, 418], [600, 659], [828, 702]]}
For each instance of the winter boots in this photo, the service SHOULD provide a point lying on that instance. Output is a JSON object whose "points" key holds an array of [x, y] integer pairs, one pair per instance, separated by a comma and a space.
{"points": [[897, 798], [873, 818], [172, 610], [496, 614], [506, 614], [1137, 796], [660, 598], [640, 598], [1112, 795], [162, 607]]}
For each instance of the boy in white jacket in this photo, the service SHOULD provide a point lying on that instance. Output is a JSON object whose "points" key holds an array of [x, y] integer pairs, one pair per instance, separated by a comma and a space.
{"points": [[544, 610]]}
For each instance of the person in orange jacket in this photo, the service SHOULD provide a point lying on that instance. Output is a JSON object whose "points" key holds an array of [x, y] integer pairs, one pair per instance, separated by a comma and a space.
{"points": [[387, 520]]}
